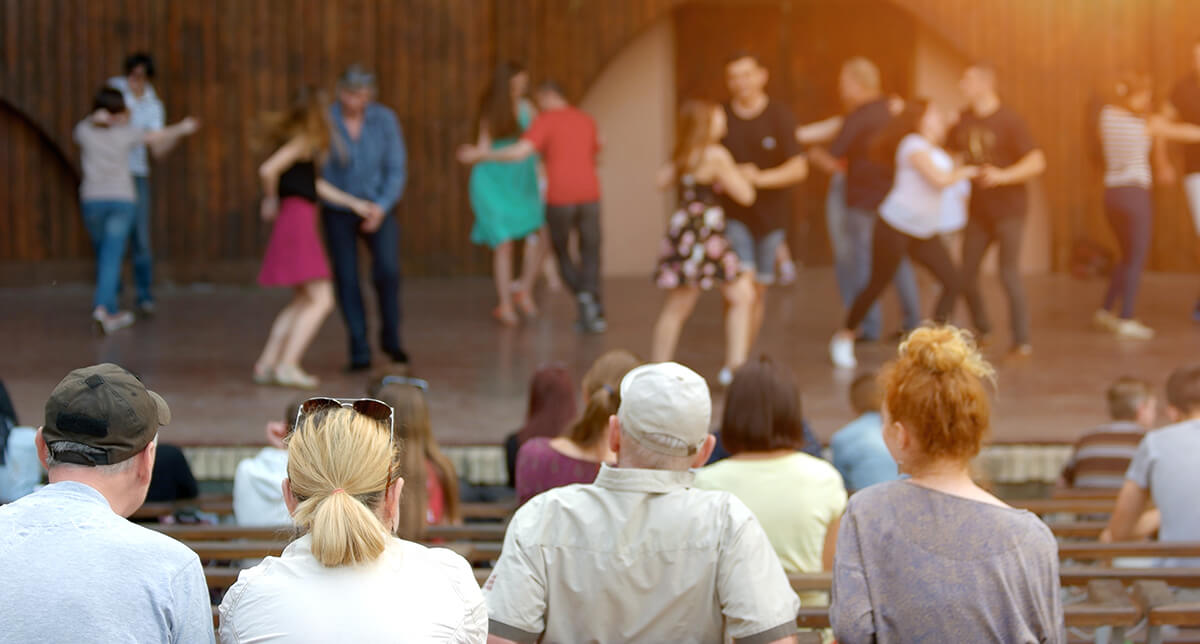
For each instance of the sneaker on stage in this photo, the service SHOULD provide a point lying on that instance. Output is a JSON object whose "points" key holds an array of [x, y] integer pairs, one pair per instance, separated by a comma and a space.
{"points": [[1105, 321], [841, 352], [110, 323], [1133, 329]]}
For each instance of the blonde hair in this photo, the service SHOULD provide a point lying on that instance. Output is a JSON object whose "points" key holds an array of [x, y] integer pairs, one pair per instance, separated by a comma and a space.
{"points": [[936, 389], [338, 465], [419, 451], [864, 72]]}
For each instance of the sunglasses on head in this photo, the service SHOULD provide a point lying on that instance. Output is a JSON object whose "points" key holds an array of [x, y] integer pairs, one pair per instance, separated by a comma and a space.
{"points": [[374, 409], [419, 383]]}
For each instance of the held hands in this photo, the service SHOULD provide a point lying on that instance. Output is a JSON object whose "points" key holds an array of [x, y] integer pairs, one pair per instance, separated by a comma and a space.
{"points": [[189, 125], [750, 171], [990, 176], [269, 208], [371, 213]]}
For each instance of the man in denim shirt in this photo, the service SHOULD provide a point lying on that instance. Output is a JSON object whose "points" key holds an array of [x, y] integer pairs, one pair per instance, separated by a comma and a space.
{"points": [[368, 160]]}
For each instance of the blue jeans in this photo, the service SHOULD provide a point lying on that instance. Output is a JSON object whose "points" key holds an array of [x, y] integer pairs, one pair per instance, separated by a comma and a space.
{"points": [[143, 262], [1129, 212], [341, 240], [852, 264], [109, 224]]}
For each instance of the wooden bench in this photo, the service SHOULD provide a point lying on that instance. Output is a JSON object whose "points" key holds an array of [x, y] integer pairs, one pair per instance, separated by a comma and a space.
{"points": [[222, 505], [1068, 576], [482, 532], [1084, 493], [1077, 529], [1159, 605], [1043, 507], [237, 550], [1093, 551]]}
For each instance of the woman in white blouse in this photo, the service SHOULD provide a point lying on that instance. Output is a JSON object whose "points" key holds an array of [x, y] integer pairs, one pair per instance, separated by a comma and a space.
{"points": [[910, 217], [349, 579]]}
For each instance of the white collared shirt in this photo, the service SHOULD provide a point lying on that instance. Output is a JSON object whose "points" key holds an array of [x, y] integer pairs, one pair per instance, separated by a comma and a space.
{"points": [[639, 555], [410, 594]]}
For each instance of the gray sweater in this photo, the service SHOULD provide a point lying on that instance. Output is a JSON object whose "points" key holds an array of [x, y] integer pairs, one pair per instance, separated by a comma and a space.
{"points": [[104, 155]]}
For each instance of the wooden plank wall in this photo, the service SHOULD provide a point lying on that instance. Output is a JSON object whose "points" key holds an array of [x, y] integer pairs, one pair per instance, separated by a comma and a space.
{"points": [[227, 60]]}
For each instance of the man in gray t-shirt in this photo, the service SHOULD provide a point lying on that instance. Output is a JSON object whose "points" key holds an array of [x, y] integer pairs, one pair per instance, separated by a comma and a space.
{"points": [[1166, 467], [75, 570]]}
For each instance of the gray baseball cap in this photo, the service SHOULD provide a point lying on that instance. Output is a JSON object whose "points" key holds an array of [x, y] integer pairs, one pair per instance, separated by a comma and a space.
{"points": [[356, 77]]}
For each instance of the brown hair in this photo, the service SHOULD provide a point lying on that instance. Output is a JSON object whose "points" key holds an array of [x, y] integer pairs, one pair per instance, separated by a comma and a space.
{"points": [[419, 450], [1183, 389], [307, 115], [601, 395], [935, 389], [1121, 90], [551, 403], [864, 393], [883, 146], [496, 113], [338, 465], [693, 132], [762, 409], [1125, 396], [377, 375]]}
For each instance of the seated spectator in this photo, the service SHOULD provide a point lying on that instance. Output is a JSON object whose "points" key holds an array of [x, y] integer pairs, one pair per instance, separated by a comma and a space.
{"points": [[798, 498], [348, 579], [575, 456], [1101, 456], [1164, 469], [172, 479], [432, 496], [74, 569], [258, 482], [640, 555], [859, 452], [934, 557], [20, 470], [551, 408]]}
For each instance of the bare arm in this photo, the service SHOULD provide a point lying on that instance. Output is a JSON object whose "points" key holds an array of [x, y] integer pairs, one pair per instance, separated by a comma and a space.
{"points": [[821, 131], [327, 192], [496, 639], [1030, 166], [279, 161], [793, 171], [1163, 128], [665, 176], [520, 150], [821, 158], [1131, 501], [830, 548], [736, 184], [161, 141], [923, 162]]}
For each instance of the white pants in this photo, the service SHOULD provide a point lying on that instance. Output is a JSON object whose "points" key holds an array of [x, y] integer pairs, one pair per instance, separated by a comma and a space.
{"points": [[1191, 185]]}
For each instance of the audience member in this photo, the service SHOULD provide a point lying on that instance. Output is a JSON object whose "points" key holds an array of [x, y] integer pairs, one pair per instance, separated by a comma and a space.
{"points": [[551, 408], [172, 478], [257, 483], [432, 497], [859, 452], [75, 569], [575, 456], [20, 471], [1164, 469], [348, 579], [640, 555], [935, 557], [1101, 456], [797, 498]]}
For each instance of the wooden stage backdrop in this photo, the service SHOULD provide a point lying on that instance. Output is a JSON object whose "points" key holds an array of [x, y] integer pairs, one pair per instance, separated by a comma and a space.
{"points": [[227, 60]]}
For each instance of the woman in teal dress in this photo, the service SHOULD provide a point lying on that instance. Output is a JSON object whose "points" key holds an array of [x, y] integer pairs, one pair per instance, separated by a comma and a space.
{"points": [[505, 197]]}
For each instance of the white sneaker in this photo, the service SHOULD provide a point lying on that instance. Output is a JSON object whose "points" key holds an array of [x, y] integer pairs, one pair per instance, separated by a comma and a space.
{"points": [[112, 323], [1133, 329], [1105, 321], [841, 351], [725, 377]]}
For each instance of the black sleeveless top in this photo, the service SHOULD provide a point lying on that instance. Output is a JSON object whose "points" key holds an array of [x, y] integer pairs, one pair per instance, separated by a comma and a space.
{"points": [[300, 180]]}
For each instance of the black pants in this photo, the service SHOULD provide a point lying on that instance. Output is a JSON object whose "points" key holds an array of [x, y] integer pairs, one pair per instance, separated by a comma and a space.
{"points": [[888, 247], [583, 277], [979, 235], [341, 239]]}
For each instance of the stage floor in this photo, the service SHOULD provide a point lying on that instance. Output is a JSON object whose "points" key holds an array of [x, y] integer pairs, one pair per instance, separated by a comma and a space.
{"points": [[198, 352]]}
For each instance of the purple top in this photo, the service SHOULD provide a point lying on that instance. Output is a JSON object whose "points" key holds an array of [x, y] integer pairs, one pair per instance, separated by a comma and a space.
{"points": [[541, 467]]}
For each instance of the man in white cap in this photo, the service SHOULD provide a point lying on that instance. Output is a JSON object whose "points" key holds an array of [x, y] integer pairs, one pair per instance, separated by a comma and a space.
{"points": [[639, 555]]}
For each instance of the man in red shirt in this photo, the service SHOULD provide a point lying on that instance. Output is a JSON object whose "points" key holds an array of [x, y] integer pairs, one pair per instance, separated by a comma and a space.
{"points": [[565, 137]]}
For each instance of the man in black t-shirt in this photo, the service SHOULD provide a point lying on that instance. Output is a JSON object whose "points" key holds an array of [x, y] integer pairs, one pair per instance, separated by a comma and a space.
{"points": [[994, 137], [761, 137], [1184, 107]]}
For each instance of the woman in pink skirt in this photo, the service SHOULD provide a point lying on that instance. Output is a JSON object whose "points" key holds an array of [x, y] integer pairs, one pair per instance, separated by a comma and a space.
{"points": [[295, 257]]}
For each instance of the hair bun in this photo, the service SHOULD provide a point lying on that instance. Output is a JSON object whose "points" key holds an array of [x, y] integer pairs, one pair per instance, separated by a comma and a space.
{"points": [[945, 349]]}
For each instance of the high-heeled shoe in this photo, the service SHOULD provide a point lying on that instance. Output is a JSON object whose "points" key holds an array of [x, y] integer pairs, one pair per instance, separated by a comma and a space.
{"points": [[524, 301], [505, 318], [293, 376]]}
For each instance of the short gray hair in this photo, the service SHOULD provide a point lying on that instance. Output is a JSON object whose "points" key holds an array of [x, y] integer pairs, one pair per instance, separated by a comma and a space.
{"points": [[637, 455], [57, 449]]}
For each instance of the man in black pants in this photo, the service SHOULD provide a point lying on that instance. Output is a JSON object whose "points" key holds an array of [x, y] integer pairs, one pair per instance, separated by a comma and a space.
{"points": [[996, 139]]}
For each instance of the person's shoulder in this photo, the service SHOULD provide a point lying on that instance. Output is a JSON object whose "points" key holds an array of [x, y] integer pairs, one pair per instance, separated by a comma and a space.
{"points": [[882, 493], [378, 110], [814, 466], [443, 560], [1169, 433]]}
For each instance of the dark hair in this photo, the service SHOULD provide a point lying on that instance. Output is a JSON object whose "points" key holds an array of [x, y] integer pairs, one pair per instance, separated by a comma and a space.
{"points": [[762, 409], [139, 59], [8, 419], [739, 54], [110, 100], [551, 85], [1183, 389], [291, 412], [601, 396], [551, 403], [865, 395], [883, 146], [496, 111]]}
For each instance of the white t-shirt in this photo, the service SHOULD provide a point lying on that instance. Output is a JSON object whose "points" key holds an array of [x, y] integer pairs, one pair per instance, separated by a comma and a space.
{"points": [[75, 571], [1126, 145], [410, 594], [914, 205], [258, 490]]}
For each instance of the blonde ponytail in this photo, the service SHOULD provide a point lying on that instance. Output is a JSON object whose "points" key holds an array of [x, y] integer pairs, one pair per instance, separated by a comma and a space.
{"points": [[338, 464]]}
